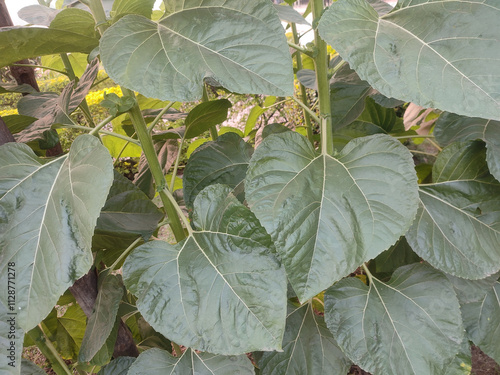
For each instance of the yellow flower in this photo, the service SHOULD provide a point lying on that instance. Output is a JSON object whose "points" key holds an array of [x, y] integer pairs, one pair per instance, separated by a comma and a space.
{"points": [[95, 97], [8, 112]]}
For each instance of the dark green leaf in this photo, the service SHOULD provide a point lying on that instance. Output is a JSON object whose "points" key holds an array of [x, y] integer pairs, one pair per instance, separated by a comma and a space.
{"points": [[47, 217], [307, 78], [224, 161], [205, 115], [117, 104], [220, 290], [385, 118], [482, 321], [18, 43], [308, 348], [328, 215], [413, 322], [160, 362], [103, 317], [288, 14], [118, 366], [240, 44], [461, 161], [24, 88], [416, 53], [124, 7], [76, 21], [451, 128], [397, 256], [37, 14], [384, 101], [273, 129], [17, 123], [56, 110], [49, 139], [127, 214]]}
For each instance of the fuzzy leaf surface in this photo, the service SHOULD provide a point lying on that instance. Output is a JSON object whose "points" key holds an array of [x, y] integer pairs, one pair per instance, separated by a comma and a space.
{"points": [[438, 54], [220, 290], [47, 217], [413, 322], [328, 215], [239, 44]]}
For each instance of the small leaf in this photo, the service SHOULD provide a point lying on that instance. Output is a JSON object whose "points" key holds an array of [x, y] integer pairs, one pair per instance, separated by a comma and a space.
{"points": [[118, 366], [224, 161], [160, 362], [328, 215], [482, 321], [47, 217], [413, 54], [116, 104], [240, 44], [102, 320], [37, 14], [220, 290], [308, 348], [451, 128], [382, 327], [205, 115], [457, 228]]}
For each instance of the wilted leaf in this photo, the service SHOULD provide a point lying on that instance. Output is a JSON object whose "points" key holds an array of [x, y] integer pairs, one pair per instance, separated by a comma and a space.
{"points": [[240, 44], [413, 322], [48, 214], [328, 215], [417, 53], [220, 290]]}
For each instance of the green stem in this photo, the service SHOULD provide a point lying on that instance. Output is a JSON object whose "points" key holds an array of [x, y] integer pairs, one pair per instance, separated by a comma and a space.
{"points": [[368, 273], [413, 136], [321, 61], [125, 253], [160, 115], [72, 76], [177, 349], [176, 165], [99, 15], [169, 203], [92, 131], [98, 82], [48, 350], [303, 92], [300, 49], [42, 67], [102, 124], [307, 109]]}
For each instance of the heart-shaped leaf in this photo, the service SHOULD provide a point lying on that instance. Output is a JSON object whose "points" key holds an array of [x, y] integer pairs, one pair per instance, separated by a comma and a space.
{"points": [[308, 348], [47, 217], [451, 128], [220, 290], [382, 327], [160, 362], [457, 228], [328, 215], [417, 52], [240, 44], [224, 161]]}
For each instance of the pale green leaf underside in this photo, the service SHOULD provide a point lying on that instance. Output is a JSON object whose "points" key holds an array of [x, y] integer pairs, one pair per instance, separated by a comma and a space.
{"points": [[328, 215], [410, 325], [482, 322], [159, 362], [239, 44], [457, 228], [308, 348], [438, 54], [220, 290], [47, 217]]}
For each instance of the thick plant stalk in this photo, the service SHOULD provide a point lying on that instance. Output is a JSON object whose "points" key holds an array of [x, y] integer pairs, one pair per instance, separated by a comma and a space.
{"points": [[48, 350], [303, 93], [321, 61]]}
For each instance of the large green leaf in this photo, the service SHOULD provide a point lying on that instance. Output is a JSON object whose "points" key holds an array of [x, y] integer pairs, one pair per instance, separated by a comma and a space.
{"points": [[308, 348], [102, 320], [457, 228], [55, 109], [410, 325], [160, 362], [18, 43], [482, 321], [224, 161], [127, 214], [240, 44], [417, 52], [77, 21], [47, 217], [451, 128], [220, 290], [328, 215]]}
